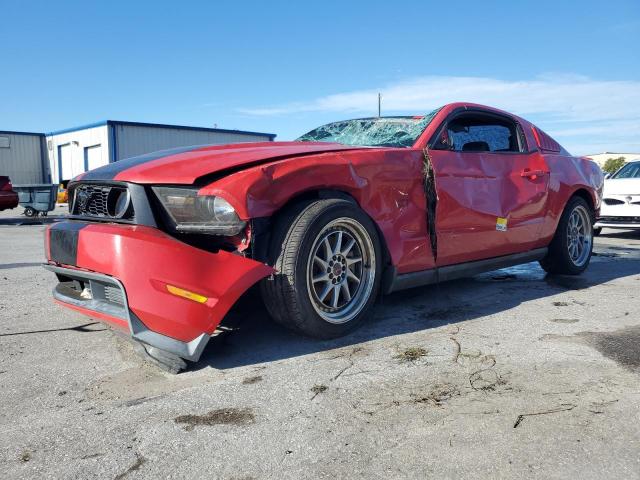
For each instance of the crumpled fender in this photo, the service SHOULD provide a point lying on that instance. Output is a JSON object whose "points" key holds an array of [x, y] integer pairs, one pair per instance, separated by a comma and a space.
{"points": [[386, 183]]}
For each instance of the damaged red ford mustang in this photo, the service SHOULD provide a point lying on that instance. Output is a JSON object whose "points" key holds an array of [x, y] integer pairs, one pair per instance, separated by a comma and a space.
{"points": [[162, 245]]}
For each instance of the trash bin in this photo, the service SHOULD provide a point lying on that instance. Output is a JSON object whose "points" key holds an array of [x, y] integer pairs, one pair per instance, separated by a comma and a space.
{"points": [[37, 198]]}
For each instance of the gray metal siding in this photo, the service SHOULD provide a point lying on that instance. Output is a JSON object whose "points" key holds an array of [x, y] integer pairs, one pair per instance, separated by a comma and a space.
{"points": [[23, 160], [137, 140]]}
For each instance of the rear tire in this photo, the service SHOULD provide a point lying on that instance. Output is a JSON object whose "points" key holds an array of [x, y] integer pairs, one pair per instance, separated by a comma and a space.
{"points": [[327, 258], [570, 250], [30, 212]]}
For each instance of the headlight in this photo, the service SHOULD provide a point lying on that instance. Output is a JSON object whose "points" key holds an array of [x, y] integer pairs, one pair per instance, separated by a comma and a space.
{"points": [[195, 213]]}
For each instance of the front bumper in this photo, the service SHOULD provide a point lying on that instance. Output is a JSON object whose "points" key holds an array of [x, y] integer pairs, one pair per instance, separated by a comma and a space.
{"points": [[623, 214], [617, 222], [120, 273]]}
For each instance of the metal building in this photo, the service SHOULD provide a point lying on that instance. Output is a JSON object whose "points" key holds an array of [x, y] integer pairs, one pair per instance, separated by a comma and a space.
{"points": [[23, 157], [76, 150]]}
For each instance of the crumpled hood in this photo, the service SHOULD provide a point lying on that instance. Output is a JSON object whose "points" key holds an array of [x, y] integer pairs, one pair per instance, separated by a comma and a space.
{"points": [[622, 186], [185, 165]]}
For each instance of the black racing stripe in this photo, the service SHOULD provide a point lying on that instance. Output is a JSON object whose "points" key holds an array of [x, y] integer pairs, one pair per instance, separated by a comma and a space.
{"points": [[63, 242], [109, 171]]}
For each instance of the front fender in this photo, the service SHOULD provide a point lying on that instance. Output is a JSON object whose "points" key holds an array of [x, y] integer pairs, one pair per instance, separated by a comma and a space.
{"points": [[386, 183]]}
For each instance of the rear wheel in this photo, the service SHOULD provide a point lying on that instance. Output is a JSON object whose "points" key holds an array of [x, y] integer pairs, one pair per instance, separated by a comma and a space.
{"points": [[30, 212], [328, 262], [570, 250]]}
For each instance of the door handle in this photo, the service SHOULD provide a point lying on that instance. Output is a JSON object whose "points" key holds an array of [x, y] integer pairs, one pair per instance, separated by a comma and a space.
{"points": [[532, 174]]}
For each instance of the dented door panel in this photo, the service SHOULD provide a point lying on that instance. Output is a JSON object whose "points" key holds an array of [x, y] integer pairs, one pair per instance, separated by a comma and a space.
{"points": [[486, 208]]}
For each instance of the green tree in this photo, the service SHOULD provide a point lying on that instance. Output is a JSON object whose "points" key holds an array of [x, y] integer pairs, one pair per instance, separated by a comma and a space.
{"points": [[612, 165]]}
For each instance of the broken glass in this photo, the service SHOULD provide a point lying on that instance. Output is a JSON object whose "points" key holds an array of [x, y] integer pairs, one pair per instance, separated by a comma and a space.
{"points": [[372, 132]]}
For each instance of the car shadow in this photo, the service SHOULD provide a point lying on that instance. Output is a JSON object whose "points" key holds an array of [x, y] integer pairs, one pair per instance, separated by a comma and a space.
{"points": [[254, 339]]}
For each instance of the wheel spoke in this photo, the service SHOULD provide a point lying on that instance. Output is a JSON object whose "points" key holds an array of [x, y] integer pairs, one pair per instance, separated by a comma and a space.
{"points": [[325, 291], [328, 251], [351, 261], [324, 265], [323, 277], [345, 291], [336, 296], [352, 276], [338, 246], [347, 249]]}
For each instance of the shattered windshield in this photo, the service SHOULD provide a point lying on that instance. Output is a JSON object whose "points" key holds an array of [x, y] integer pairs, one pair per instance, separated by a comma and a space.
{"points": [[372, 132]]}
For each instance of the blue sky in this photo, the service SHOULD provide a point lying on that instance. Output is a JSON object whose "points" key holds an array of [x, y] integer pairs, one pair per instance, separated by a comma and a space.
{"points": [[284, 67]]}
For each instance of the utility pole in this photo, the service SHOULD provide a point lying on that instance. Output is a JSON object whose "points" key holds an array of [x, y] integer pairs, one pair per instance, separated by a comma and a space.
{"points": [[379, 103]]}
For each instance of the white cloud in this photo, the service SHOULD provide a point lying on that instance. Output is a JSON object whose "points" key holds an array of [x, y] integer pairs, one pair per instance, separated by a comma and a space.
{"points": [[567, 106], [562, 96]]}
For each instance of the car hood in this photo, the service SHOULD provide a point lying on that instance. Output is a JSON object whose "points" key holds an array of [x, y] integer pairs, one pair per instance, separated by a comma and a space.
{"points": [[622, 186], [185, 165]]}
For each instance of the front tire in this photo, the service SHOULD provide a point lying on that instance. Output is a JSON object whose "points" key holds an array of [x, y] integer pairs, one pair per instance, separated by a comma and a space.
{"points": [[328, 268], [570, 250]]}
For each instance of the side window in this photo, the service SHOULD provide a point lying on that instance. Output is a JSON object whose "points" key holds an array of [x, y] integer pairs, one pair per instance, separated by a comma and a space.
{"points": [[479, 133]]}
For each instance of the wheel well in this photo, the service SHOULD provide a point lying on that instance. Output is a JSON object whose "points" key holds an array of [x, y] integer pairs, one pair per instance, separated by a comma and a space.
{"points": [[586, 196], [326, 194]]}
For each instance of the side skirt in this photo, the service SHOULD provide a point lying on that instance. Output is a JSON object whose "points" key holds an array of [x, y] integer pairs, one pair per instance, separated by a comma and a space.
{"points": [[451, 272]]}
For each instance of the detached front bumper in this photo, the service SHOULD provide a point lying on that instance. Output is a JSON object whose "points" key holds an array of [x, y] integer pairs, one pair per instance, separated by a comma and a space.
{"points": [[128, 276]]}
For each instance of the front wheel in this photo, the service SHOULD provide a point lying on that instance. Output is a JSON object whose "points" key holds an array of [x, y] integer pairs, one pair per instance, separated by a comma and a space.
{"points": [[328, 268], [570, 250]]}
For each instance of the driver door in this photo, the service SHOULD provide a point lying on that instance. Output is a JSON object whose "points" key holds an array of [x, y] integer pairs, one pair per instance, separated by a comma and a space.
{"points": [[492, 191]]}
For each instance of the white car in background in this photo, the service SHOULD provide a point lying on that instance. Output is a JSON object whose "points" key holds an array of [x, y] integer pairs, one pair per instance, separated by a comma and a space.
{"points": [[621, 199]]}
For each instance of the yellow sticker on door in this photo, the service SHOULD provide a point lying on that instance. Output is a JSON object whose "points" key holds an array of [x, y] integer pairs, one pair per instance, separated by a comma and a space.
{"points": [[501, 224]]}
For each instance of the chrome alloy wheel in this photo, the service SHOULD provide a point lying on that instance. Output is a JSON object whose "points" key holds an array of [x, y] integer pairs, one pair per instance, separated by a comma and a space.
{"points": [[579, 236], [341, 270]]}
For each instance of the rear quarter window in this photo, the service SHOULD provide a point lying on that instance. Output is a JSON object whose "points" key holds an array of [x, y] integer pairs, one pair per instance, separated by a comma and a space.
{"points": [[545, 142]]}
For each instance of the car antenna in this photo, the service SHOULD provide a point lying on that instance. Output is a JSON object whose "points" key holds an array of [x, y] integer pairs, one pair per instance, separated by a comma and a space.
{"points": [[379, 103]]}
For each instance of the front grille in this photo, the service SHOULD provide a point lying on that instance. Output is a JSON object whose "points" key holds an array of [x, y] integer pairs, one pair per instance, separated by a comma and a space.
{"points": [[101, 201]]}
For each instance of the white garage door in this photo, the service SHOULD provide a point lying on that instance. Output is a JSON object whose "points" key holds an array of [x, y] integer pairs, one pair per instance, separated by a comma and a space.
{"points": [[70, 164], [93, 157]]}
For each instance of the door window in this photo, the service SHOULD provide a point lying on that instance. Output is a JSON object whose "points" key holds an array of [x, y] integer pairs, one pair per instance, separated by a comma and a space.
{"points": [[483, 133]]}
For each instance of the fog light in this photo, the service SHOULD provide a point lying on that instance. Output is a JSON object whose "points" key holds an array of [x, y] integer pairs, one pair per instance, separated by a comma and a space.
{"points": [[180, 292]]}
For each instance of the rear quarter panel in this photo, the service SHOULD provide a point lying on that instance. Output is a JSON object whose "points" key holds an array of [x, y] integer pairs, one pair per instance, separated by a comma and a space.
{"points": [[567, 176]]}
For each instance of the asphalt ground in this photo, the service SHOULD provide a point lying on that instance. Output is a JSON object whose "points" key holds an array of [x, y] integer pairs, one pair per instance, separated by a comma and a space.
{"points": [[510, 374]]}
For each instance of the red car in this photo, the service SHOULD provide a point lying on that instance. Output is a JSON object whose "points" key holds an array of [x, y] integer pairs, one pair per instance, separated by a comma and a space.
{"points": [[8, 198], [162, 245]]}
